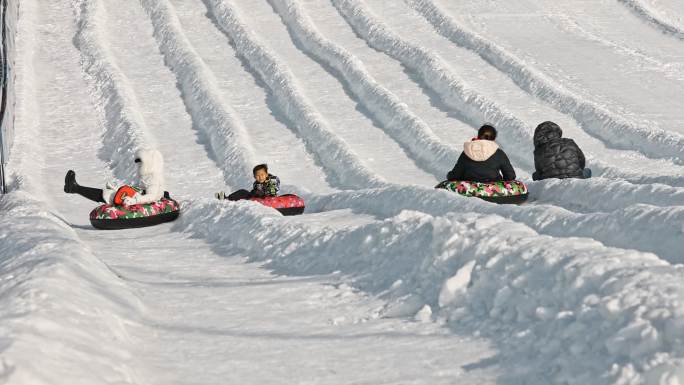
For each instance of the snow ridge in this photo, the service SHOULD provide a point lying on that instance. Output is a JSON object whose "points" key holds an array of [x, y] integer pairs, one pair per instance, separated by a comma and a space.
{"points": [[227, 136], [333, 154], [437, 75], [49, 282], [603, 194], [653, 17], [544, 301], [638, 226], [125, 131], [614, 130], [414, 135]]}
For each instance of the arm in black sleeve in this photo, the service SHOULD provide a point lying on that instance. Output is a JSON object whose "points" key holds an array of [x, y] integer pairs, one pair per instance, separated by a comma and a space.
{"points": [[458, 171], [507, 170]]}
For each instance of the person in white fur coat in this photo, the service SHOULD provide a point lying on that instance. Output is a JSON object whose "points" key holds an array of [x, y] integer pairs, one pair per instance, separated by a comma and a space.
{"points": [[150, 165]]}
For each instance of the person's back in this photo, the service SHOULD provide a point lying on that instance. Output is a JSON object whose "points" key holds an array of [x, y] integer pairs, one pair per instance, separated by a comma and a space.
{"points": [[555, 156], [482, 160]]}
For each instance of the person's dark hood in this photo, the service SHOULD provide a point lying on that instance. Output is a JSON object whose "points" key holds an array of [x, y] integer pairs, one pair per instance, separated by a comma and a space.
{"points": [[546, 132]]}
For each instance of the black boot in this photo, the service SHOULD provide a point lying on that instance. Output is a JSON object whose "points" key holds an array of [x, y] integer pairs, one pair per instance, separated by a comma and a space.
{"points": [[70, 185]]}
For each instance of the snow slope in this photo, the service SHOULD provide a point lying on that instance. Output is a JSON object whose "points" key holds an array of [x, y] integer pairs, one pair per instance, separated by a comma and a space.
{"points": [[361, 107]]}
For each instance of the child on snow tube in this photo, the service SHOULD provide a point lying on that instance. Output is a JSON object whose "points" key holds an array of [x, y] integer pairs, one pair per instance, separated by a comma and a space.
{"points": [[555, 156], [483, 170], [125, 203], [265, 191]]}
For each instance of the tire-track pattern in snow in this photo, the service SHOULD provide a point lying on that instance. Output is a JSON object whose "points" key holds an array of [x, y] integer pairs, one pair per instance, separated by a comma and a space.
{"points": [[641, 227], [614, 130], [438, 76], [124, 125], [413, 134], [564, 311], [217, 121], [652, 18], [332, 153]]}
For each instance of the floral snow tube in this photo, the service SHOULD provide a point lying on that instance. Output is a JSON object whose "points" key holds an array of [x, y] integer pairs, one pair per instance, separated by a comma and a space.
{"points": [[288, 204], [116, 217], [514, 192]]}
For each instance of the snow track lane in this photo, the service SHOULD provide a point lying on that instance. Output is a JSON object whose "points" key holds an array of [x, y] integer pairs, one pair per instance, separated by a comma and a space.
{"points": [[323, 95], [620, 118], [270, 133], [135, 51]]}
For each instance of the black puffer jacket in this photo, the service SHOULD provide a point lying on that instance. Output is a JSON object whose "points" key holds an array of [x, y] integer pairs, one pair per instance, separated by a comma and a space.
{"points": [[554, 156], [482, 161]]}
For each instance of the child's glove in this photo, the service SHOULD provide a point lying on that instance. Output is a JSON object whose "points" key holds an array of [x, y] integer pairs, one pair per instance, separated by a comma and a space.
{"points": [[130, 201]]}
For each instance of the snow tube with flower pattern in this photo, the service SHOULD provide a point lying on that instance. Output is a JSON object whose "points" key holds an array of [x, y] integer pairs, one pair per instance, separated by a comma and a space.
{"points": [[288, 204], [513, 192], [115, 217]]}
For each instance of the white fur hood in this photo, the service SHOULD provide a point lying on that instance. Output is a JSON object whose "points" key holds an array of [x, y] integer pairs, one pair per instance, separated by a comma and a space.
{"points": [[480, 150], [151, 174]]}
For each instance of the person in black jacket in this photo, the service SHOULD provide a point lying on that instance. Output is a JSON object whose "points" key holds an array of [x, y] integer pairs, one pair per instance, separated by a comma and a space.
{"points": [[482, 160], [555, 156]]}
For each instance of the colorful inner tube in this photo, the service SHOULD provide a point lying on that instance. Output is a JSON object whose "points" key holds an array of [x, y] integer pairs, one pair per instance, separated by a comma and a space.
{"points": [[288, 204], [503, 192], [114, 217]]}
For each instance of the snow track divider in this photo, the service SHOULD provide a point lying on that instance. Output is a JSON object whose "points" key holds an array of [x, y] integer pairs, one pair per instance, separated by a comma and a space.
{"points": [[341, 164], [413, 134], [612, 129]]}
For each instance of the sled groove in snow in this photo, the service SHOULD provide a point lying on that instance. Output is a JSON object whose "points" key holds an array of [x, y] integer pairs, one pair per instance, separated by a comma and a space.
{"points": [[269, 132], [332, 153], [225, 132], [614, 129], [394, 76], [412, 133], [188, 170], [653, 18], [491, 90], [316, 90], [124, 125]]}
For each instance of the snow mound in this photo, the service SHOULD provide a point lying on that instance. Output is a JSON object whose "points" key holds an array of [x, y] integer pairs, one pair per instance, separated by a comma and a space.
{"points": [[560, 310], [58, 296]]}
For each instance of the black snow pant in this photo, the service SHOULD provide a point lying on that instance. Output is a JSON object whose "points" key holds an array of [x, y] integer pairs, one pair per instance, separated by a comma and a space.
{"points": [[94, 194], [239, 195]]}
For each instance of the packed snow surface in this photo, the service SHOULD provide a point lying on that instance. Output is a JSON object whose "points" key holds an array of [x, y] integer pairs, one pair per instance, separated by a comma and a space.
{"points": [[361, 107]]}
